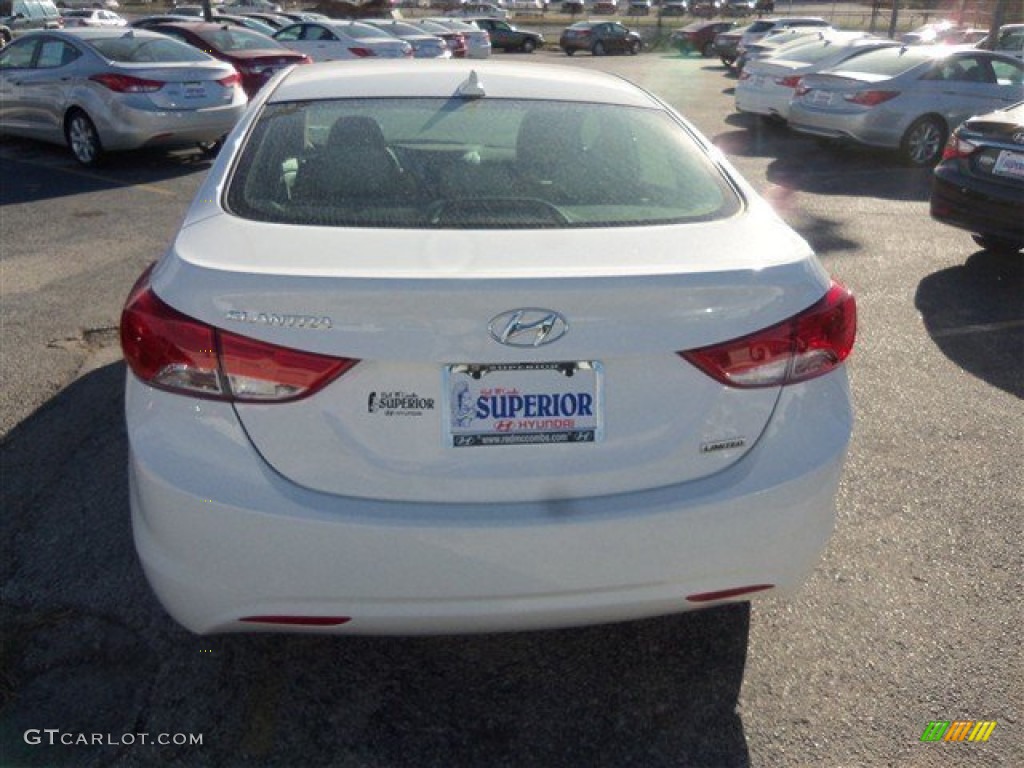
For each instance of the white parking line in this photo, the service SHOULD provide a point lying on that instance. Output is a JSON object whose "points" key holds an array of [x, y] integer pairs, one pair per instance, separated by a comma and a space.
{"points": [[966, 330]]}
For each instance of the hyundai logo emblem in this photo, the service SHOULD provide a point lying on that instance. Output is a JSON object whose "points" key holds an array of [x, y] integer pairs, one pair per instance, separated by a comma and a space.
{"points": [[528, 327]]}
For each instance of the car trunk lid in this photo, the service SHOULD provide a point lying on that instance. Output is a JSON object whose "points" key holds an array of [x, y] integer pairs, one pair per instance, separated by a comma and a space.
{"points": [[438, 408]]}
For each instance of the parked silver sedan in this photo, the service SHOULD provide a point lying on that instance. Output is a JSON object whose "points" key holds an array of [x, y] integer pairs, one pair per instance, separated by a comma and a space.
{"points": [[766, 86], [424, 45], [100, 90], [906, 99]]}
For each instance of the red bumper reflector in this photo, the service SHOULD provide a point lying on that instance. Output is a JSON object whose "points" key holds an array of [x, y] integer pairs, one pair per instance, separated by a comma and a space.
{"points": [[725, 594], [301, 621]]}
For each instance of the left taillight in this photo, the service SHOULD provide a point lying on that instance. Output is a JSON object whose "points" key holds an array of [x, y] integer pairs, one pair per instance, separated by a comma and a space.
{"points": [[126, 83], [792, 81], [958, 147], [171, 351], [807, 345]]}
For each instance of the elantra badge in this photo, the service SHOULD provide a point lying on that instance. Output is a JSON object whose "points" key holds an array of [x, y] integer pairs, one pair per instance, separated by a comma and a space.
{"points": [[528, 327]]}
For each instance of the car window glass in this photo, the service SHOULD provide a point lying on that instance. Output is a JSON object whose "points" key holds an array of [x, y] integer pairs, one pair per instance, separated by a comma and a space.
{"points": [[55, 53], [177, 34], [365, 30], [146, 49], [291, 33], [1007, 73], [806, 52], [1011, 39], [18, 55], [237, 39], [887, 61], [429, 163], [958, 70]]}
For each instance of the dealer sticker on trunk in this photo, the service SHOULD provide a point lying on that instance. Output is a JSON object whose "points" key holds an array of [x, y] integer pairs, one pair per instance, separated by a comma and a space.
{"points": [[523, 404]]}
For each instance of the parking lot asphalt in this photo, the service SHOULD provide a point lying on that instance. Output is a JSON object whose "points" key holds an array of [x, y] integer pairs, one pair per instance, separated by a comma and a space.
{"points": [[912, 616]]}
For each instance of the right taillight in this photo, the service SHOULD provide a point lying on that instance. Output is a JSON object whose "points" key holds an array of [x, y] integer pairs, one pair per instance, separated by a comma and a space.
{"points": [[230, 81], [870, 98], [172, 351], [803, 347]]}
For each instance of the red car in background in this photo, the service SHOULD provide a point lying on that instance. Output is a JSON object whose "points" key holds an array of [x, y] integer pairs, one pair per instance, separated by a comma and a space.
{"points": [[256, 57], [699, 36]]}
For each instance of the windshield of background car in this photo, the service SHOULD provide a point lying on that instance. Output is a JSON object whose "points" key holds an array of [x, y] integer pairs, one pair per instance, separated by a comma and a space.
{"points": [[133, 49], [888, 62], [474, 164]]}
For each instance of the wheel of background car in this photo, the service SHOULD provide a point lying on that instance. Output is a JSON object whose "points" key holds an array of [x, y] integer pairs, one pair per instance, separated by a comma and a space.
{"points": [[998, 245], [727, 61], [598, 49], [529, 45], [634, 47], [569, 51], [708, 50], [923, 142], [82, 138]]}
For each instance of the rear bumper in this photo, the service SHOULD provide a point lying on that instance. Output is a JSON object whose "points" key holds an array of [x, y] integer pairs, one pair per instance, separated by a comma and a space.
{"points": [[873, 129], [221, 536], [130, 128], [978, 206], [770, 100]]}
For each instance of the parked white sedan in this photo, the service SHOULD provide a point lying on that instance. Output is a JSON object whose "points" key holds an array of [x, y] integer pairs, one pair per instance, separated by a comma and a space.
{"points": [[337, 40], [473, 347], [92, 17]]}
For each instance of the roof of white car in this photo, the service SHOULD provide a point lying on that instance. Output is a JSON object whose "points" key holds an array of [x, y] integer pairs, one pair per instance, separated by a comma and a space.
{"points": [[444, 78]]}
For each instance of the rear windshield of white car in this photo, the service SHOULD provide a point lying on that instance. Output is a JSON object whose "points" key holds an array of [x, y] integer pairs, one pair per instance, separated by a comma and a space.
{"points": [[357, 30], [474, 164], [140, 50], [888, 61]]}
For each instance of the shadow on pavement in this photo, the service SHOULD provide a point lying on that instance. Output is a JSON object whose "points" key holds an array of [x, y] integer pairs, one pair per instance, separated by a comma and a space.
{"points": [[975, 316], [27, 169], [87, 650], [807, 164]]}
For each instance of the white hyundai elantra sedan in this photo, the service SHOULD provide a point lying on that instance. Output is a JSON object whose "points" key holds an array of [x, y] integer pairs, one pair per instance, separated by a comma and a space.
{"points": [[458, 347]]}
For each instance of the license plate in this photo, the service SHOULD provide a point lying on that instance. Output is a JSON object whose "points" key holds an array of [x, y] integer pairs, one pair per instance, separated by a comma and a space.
{"points": [[523, 404], [821, 98], [195, 91], [1009, 164]]}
